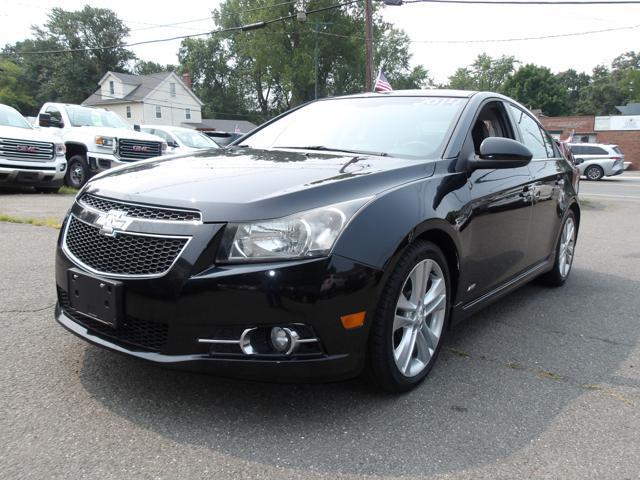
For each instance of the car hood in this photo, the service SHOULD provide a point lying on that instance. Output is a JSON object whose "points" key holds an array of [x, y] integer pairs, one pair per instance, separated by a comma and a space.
{"points": [[116, 132], [26, 134], [244, 184]]}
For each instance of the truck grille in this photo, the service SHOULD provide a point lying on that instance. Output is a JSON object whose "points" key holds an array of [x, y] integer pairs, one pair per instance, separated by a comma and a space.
{"points": [[150, 336], [26, 150], [124, 254], [140, 211], [129, 149]]}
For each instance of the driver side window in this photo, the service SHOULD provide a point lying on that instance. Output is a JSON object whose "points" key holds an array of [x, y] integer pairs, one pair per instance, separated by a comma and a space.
{"points": [[530, 132], [491, 122]]}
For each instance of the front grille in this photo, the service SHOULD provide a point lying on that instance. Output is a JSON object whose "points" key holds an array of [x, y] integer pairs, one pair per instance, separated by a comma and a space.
{"points": [[122, 254], [140, 211], [150, 336], [129, 149], [26, 150]]}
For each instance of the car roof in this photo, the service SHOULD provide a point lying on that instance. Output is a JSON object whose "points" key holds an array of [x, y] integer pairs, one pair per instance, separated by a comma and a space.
{"points": [[168, 127], [435, 92]]}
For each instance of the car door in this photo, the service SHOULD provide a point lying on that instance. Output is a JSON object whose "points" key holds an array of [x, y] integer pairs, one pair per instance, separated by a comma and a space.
{"points": [[552, 178], [500, 209]]}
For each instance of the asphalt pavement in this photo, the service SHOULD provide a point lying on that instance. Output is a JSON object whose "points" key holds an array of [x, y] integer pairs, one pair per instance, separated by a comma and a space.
{"points": [[543, 384]]}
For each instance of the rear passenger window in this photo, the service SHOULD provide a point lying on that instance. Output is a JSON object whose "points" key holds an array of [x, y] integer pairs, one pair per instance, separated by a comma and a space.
{"points": [[530, 133], [548, 144], [596, 151]]}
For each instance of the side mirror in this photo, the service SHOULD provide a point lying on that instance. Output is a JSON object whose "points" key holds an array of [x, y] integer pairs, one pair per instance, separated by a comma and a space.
{"points": [[173, 144], [44, 120], [500, 152]]}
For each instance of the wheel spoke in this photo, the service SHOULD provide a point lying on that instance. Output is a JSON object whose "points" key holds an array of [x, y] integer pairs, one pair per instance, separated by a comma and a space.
{"points": [[405, 304], [435, 297], [404, 352], [423, 350], [430, 337], [419, 277], [400, 321]]}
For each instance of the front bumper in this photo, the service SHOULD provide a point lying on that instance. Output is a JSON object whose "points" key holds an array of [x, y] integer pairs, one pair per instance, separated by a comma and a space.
{"points": [[165, 317], [100, 161], [33, 173]]}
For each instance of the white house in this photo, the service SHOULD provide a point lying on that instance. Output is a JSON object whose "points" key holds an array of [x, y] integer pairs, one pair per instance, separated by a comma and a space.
{"points": [[158, 98]]}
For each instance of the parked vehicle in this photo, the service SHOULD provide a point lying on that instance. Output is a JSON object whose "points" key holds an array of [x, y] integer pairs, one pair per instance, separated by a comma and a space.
{"points": [[180, 140], [223, 138], [95, 140], [319, 253], [28, 156], [597, 160]]}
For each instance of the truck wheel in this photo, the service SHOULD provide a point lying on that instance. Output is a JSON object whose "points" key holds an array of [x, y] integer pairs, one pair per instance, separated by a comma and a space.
{"points": [[77, 172]]}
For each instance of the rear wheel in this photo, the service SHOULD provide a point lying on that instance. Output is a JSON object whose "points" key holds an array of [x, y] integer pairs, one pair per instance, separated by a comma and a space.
{"points": [[411, 319], [564, 253], [594, 172], [77, 172]]}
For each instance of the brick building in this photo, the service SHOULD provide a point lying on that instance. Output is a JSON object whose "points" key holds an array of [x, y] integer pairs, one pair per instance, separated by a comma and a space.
{"points": [[622, 130]]}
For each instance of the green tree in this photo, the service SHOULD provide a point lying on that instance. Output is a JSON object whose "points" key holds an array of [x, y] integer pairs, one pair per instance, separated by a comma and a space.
{"points": [[14, 89], [537, 87], [484, 74], [71, 73], [574, 83], [144, 67]]}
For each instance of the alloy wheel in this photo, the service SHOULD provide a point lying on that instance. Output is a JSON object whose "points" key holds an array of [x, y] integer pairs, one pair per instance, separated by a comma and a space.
{"points": [[419, 318], [567, 245]]}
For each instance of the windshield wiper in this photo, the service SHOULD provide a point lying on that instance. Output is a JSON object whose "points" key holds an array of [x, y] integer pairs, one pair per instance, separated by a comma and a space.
{"points": [[323, 148]]}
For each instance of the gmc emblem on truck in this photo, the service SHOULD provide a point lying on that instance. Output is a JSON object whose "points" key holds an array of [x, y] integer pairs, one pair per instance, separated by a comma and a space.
{"points": [[26, 148], [141, 148]]}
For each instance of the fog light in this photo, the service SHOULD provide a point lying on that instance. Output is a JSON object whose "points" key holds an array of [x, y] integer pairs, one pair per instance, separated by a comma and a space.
{"points": [[281, 339]]}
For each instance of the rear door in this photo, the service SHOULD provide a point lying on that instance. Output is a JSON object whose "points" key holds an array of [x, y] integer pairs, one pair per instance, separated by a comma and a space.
{"points": [[552, 180]]}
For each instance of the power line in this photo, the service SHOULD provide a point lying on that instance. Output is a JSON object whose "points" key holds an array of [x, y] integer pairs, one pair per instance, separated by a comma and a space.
{"points": [[243, 28], [531, 2]]}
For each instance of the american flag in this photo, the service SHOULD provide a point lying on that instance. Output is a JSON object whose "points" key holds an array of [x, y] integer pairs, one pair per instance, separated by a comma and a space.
{"points": [[382, 84]]}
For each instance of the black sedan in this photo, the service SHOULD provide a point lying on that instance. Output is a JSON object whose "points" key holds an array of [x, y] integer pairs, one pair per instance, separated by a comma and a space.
{"points": [[345, 236]]}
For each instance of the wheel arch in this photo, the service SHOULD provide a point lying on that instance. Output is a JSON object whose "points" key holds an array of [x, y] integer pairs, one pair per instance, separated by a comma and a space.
{"points": [[74, 148]]}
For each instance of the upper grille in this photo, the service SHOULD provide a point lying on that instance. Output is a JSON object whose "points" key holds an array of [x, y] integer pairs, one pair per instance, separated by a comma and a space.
{"points": [[124, 253], [140, 211], [151, 336], [129, 149], [26, 150]]}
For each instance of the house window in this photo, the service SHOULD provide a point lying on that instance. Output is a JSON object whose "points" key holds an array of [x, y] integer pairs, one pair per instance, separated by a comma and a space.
{"points": [[187, 113], [112, 88], [128, 111], [158, 111], [172, 89]]}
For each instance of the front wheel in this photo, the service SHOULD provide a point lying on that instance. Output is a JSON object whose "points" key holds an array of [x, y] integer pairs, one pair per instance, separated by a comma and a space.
{"points": [[77, 172], [564, 253], [411, 319]]}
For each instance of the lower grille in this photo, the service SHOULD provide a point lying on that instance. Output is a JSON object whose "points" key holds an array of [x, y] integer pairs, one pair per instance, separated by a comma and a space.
{"points": [[26, 150], [129, 149], [143, 334], [122, 254]]}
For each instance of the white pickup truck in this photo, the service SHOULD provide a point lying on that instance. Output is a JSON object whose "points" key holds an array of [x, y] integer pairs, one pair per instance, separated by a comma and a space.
{"points": [[96, 139], [28, 156]]}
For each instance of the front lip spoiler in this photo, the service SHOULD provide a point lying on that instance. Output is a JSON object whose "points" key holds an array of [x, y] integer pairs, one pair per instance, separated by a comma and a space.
{"points": [[327, 368]]}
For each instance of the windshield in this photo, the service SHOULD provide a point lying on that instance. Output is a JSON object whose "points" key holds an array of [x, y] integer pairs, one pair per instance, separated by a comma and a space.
{"points": [[10, 117], [194, 139], [397, 126], [93, 117]]}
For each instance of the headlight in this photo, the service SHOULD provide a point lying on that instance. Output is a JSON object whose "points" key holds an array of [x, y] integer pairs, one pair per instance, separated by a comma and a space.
{"points": [[302, 235], [60, 149], [164, 147], [105, 141]]}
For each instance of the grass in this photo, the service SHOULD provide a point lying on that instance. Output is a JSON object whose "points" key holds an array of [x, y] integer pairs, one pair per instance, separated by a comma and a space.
{"points": [[67, 190], [38, 222]]}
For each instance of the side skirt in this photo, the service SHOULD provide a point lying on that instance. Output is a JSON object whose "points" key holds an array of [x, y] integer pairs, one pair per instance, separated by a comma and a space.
{"points": [[460, 312]]}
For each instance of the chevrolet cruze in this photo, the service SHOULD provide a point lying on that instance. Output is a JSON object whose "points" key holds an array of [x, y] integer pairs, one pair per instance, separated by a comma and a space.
{"points": [[342, 237]]}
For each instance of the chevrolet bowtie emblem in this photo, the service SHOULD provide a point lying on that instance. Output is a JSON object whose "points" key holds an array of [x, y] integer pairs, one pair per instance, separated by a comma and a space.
{"points": [[113, 221]]}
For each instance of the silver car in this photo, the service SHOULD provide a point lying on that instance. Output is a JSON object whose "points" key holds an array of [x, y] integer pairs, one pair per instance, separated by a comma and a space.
{"points": [[597, 160]]}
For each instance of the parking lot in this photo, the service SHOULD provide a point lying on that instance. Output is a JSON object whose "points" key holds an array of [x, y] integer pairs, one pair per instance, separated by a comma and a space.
{"points": [[542, 384]]}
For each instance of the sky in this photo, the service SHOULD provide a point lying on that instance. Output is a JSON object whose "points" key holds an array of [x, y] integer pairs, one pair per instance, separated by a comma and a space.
{"points": [[429, 26]]}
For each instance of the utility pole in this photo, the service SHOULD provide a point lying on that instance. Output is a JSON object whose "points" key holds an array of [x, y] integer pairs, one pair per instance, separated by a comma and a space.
{"points": [[368, 47]]}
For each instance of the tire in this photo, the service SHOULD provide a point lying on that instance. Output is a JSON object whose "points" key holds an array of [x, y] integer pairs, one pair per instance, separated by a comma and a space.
{"points": [[565, 250], [77, 172], [594, 172], [404, 347]]}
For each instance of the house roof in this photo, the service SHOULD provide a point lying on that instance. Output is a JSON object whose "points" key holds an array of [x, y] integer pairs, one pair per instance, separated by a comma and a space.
{"points": [[629, 109], [221, 125], [145, 84]]}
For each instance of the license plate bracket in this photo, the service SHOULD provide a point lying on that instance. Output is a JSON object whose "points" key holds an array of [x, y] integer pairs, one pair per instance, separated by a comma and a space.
{"points": [[98, 298]]}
